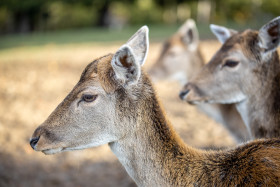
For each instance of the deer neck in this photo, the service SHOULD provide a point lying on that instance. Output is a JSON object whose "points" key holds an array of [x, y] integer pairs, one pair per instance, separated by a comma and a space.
{"points": [[152, 150], [261, 110], [242, 108]]}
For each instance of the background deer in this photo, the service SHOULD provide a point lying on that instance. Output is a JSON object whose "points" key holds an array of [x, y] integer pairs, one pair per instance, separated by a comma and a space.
{"points": [[245, 71], [115, 103], [179, 60], [180, 56]]}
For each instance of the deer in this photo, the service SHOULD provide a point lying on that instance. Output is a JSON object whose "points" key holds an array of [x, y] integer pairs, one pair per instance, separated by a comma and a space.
{"points": [[244, 71], [115, 103], [180, 59]]}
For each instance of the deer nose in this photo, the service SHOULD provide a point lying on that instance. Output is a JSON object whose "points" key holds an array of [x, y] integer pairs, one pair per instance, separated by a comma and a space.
{"points": [[183, 93], [34, 141]]}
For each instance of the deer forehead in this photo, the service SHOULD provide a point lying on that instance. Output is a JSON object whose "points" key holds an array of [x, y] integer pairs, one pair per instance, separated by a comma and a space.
{"points": [[241, 43], [176, 41], [249, 45], [177, 49], [101, 71]]}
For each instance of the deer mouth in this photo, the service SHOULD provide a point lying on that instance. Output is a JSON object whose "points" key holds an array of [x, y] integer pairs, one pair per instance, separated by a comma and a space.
{"points": [[192, 98], [59, 150], [193, 95], [195, 102]]}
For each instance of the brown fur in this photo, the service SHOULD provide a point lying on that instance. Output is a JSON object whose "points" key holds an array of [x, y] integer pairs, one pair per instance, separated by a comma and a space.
{"points": [[155, 143]]}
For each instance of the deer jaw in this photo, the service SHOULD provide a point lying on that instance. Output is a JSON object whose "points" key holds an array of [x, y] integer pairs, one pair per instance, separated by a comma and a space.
{"points": [[88, 116]]}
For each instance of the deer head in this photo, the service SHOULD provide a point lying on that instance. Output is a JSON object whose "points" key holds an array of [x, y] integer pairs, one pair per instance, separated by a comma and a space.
{"points": [[180, 56], [95, 112], [239, 68]]}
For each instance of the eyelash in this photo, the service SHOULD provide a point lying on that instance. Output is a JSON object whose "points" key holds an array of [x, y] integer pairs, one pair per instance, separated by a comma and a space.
{"points": [[231, 63], [83, 98], [89, 98]]}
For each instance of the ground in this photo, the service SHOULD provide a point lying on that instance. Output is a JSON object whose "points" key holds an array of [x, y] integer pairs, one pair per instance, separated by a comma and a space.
{"points": [[33, 80]]}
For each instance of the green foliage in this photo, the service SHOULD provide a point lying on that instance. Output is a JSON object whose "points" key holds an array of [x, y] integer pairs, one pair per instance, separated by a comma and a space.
{"points": [[4, 16], [23, 5], [145, 11], [271, 7], [36, 15], [62, 15]]}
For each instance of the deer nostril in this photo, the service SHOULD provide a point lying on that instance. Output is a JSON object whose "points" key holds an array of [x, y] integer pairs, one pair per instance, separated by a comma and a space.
{"points": [[183, 94], [34, 141]]}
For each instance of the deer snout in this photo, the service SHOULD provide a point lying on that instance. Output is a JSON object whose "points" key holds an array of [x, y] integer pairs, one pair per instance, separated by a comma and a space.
{"points": [[36, 137], [34, 141], [183, 94], [43, 139], [192, 94]]}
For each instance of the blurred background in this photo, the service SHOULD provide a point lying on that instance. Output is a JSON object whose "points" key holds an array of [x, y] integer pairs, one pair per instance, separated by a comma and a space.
{"points": [[97, 20], [44, 47]]}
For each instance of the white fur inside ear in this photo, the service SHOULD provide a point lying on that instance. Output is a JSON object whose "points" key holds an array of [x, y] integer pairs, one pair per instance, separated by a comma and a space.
{"points": [[222, 33], [139, 43], [125, 66], [147, 44]]}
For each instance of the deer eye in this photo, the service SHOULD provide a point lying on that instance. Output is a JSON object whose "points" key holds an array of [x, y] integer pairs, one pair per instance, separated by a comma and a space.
{"points": [[89, 98], [231, 63]]}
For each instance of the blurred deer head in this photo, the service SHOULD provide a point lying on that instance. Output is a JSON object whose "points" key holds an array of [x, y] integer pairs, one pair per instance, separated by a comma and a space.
{"points": [[180, 56]]}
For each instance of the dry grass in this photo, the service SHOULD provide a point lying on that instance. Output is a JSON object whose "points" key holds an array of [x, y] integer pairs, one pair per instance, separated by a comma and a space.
{"points": [[34, 80]]}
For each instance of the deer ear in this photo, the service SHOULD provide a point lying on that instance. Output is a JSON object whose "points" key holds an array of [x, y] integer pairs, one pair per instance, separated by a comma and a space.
{"points": [[139, 43], [189, 33], [128, 60], [269, 35], [222, 33]]}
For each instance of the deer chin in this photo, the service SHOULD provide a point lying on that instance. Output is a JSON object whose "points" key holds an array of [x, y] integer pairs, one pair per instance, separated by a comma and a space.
{"points": [[85, 146], [63, 149], [52, 151], [198, 101], [193, 99], [238, 98]]}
